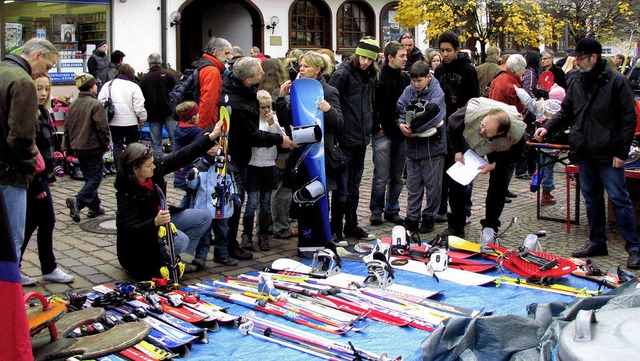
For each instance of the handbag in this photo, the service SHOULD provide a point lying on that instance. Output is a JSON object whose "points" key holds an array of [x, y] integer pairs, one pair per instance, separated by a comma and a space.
{"points": [[335, 159], [108, 105]]}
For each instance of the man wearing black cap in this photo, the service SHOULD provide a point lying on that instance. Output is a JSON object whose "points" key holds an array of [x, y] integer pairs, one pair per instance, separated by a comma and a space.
{"points": [[355, 81], [599, 107], [98, 64]]}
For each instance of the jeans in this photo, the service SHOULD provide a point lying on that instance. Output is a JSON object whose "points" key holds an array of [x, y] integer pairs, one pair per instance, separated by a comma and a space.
{"points": [[255, 199], [192, 225], [16, 201], [93, 171], [220, 228], [595, 177], [547, 172], [41, 216], [281, 202], [121, 137], [389, 158], [155, 131], [349, 184]]}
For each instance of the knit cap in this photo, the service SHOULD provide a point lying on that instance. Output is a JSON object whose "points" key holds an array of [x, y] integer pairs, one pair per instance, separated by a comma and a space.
{"points": [[556, 92], [84, 81], [550, 107], [369, 48]]}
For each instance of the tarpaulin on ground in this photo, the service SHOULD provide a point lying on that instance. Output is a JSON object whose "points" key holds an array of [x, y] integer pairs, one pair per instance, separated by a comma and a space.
{"points": [[507, 303]]}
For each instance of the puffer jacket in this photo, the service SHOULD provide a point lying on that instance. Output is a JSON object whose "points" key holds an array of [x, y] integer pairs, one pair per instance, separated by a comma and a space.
{"points": [[436, 145], [18, 122], [128, 102], [138, 245], [600, 108], [357, 93], [98, 66]]}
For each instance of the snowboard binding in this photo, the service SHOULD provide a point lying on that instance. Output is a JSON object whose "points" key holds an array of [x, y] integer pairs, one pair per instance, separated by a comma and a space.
{"points": [[399, 245], [309, 194], [325, 263], [438, 261], [379, 270]]}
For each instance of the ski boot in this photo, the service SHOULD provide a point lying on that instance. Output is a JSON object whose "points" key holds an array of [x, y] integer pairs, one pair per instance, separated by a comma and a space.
{"points": [[266, 287]]}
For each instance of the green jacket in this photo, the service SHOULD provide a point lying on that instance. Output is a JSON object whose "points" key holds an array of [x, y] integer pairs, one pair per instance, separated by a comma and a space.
{"points": [[18, 122]]}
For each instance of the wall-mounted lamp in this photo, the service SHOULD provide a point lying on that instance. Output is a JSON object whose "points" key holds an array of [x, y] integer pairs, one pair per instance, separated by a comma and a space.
{"points": [[274, 21], [175, 18]]}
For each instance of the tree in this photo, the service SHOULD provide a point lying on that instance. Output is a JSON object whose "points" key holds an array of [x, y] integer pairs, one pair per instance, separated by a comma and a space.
{"points": [[482, 20], [607, 20]]}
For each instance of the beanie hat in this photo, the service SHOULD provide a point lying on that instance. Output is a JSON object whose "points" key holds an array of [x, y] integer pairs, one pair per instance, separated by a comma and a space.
{"points": [[84, 81], [556, 92], [100, 43], [190, 113], [550, 107], [368, 47]]}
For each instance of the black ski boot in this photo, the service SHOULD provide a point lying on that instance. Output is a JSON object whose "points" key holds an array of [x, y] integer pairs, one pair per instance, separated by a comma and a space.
{"points": [[247, 234], [263, 229]]}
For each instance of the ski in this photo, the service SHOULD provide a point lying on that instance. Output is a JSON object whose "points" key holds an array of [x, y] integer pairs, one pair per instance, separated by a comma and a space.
{"points": [[221, 197], [588, 270], [548, 287], [167, 233], [194, 302]]}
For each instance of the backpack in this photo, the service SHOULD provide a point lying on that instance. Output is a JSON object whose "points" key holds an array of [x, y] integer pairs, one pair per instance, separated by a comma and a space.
{"points": [[487, 89], [188, 88]]}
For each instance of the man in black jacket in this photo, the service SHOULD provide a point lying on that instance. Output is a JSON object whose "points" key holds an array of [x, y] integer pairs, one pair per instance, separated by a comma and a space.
{"points": [[239, 92], [389, 150], [413, 53], [599, 107], [156, 86]]}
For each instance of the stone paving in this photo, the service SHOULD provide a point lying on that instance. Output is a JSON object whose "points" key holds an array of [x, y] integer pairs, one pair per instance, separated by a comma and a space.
{"points": [[91, 257]]}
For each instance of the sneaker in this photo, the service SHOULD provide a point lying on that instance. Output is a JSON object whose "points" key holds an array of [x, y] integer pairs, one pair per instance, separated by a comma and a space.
{"points": [[74, 211], [27, 281], [356, 233], [633, 262], [240, 254], [440, 218], [93, 213], [523, 176], [57, 276], [229, 261], [590, 250], [338, 241], [375, 219], [488, 236], [394, 218]]}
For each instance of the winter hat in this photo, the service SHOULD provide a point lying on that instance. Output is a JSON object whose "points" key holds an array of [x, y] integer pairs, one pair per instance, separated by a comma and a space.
{"points": [[84, 81], [100, 43], [368, 47], [550, 107], [587, 46], [556, 92]]}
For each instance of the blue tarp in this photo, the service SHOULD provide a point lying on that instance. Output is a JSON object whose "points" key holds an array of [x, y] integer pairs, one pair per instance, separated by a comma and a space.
{"points": [[229, 344]]}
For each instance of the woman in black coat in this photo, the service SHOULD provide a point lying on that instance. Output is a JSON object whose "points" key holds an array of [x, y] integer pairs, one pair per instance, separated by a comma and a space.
{"points": [[139, 215]]}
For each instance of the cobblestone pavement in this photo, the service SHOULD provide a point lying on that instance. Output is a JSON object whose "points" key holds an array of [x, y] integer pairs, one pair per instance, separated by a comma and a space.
{"points": [[91, 257]]}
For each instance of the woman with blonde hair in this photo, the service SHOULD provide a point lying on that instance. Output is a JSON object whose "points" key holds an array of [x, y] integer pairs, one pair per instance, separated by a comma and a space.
{"points": [[40, 211], [274, 75], [292, 63], [315, 66], [569, 69]]}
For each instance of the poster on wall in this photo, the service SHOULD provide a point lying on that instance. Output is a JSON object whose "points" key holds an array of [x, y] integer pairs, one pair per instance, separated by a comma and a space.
{"points": [[68, 33], [13, 38], [41, 33]]}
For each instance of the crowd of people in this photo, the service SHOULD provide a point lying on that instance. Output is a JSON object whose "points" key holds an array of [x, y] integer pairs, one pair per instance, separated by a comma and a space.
{"points": [[420, 112]]}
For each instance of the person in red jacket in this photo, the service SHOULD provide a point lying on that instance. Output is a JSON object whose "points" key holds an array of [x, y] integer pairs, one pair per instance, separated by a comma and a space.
{"points": [[216, 53], [502, 88]]}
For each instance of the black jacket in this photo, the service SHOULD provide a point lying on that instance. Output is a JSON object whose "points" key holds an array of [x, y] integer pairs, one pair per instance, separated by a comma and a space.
{"points": [[600, 109], [245, 116], [416, 55], [459, 81], [356, 101], [390, 86], [138, 245], [156, 86]]}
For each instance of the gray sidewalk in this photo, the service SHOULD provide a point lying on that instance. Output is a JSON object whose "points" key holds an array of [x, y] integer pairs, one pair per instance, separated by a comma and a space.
{"points": [[91, 257]]}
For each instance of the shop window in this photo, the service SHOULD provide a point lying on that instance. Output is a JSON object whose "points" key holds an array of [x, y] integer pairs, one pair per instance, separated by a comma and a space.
{"points": [[355, 20], [309, 25], [73, 26], [390, 29]]}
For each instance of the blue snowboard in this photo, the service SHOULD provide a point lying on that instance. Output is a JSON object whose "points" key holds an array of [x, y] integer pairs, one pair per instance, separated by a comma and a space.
{"points": [[314, 231]]}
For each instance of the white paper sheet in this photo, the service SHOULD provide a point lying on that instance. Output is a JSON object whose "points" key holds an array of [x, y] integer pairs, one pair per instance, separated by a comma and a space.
{"points": [[465, 173]]}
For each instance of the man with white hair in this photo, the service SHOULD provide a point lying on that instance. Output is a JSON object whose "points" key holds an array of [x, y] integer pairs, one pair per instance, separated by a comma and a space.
{"points": [[216, 53], [502, 88], [18, 121]]}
